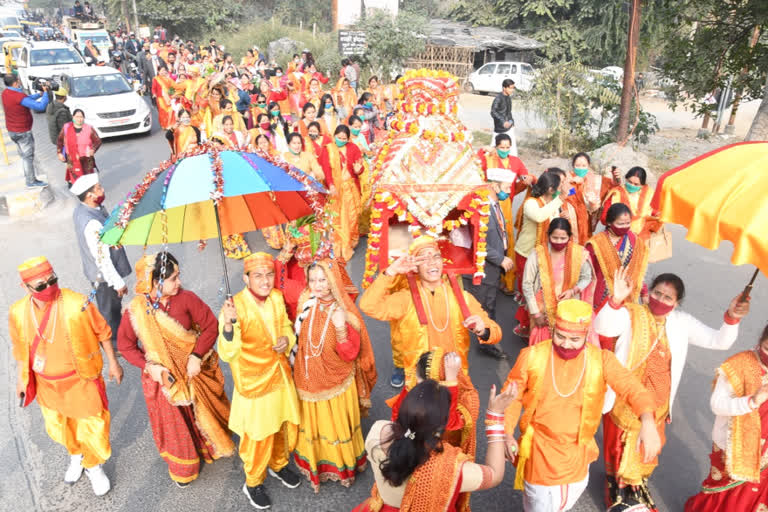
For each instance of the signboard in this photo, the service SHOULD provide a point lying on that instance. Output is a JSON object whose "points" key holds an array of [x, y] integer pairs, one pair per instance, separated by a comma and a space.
{"points": [[352, 42]]}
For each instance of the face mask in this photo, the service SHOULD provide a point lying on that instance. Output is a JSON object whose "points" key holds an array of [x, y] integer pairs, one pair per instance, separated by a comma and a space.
{"points": [[558, 246], [261, 105], [503, 153], [632, 189], [355, 131], [502, 196], [314, 136], [368, 104], [100, 199], [620, 231], [297, 153], [186, 122], [278, 74], [557, 193], [78, 123], [658, 308], [763, 356], [340, 143], [580, 171], [567, 353], [275, 113], [47, 295], [265, 126], [328, 106]]}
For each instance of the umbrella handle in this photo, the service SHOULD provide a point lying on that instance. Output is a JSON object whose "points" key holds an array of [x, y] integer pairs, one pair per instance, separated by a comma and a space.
{"points": [[748, 289]]}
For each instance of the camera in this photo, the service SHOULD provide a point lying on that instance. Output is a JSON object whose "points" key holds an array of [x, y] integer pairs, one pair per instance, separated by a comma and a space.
{"points": [[52, 84]]}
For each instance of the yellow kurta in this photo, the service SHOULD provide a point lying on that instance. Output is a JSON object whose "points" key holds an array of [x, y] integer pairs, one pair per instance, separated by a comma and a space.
{"points": [[262, 376]]}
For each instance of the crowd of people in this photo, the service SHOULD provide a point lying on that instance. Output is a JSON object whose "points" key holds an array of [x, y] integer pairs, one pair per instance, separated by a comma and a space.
{"points": [[604, 348]]}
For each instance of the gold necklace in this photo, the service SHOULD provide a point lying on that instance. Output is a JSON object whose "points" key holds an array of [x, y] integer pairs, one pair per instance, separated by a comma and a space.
{"points": [[554, 381], [429, 310]]}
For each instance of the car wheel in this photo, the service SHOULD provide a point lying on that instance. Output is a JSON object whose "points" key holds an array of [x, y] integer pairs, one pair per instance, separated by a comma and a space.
{"points": [[469, 88]]}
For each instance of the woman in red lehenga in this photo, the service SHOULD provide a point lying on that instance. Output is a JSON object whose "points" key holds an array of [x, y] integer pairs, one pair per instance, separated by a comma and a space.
{"points": [[738, 477], [182, 382], [162, 90]]}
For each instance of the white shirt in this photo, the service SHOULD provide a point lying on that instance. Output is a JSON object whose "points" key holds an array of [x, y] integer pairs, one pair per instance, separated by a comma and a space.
{"points": [[100, 252], [725, 404], [682, 329]]}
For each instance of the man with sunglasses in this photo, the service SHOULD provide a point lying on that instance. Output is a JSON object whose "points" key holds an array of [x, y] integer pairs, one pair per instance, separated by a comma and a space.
{"points": [[104, 267], [57, 339]]}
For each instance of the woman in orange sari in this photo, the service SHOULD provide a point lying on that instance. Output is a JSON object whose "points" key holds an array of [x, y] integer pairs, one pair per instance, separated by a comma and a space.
{"points": [[180, 375], [590, 190], [317, 139], [415, 471], [303, 160], [308, 115], [342, 163], [538, 211], [614, 248], [161, 91], [182, 136], [637, 195], [334, 372], [553, 272], [345, 98], [257, 108]]}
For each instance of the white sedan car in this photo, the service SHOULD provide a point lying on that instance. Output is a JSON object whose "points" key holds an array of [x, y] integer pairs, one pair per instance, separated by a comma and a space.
{"points": [[110, 104]]}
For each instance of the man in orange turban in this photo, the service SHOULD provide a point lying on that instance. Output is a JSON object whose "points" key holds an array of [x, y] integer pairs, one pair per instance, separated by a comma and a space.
{"points": [[432, 311], [57, 343], [564, 381], [255, 338]]}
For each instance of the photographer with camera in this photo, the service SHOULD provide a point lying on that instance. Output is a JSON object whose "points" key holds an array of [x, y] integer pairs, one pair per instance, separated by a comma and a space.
{"points": [[18, 121]]}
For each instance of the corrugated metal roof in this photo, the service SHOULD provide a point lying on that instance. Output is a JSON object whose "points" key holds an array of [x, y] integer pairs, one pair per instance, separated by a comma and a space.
{"points": [[455, 33]]}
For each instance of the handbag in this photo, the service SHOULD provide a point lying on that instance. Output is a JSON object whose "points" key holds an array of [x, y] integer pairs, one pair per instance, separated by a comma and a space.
{"points": [[659, 246]]}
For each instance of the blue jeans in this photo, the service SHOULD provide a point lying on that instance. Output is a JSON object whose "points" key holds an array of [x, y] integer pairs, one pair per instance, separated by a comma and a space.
{"points": [[26, 144]]}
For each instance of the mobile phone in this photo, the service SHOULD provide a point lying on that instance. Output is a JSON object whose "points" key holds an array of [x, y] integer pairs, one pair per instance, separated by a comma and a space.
{"points": [[21, 399]]}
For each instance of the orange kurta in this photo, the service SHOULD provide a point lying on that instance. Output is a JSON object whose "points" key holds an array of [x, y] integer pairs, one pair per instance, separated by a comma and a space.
{"points": [[557, 456], [445, 330]]}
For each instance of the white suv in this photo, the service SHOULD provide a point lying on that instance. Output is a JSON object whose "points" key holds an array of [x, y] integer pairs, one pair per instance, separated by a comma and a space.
{"points": [[489, 77], [46, 59]]}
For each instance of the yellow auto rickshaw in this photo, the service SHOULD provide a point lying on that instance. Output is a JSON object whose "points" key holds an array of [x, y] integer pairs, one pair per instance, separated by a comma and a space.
{"points": [[11, 51]]}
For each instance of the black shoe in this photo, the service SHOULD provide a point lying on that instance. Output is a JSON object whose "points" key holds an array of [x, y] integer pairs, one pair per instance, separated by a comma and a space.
{"points": [[257, 496], [289, 478], [492, 351], [182, 485]]}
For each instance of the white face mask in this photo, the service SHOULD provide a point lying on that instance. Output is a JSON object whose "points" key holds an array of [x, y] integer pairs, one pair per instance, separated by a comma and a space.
{"points": [[186, 121]]}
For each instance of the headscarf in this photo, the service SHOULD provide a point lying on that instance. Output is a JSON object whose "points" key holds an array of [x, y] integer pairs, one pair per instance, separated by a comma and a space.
{"points": [[365, 366]]}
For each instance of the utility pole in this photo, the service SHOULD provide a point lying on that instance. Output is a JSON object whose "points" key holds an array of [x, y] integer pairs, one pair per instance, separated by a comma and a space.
{"points": [[135, 19], [628, 87]]}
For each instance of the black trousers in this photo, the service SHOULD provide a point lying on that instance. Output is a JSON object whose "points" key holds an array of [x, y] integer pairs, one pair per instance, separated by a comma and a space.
{"points": [[110, 307], [485, 295]]}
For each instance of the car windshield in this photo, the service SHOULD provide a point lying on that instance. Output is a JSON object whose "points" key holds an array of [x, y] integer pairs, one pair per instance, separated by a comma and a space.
{"points": [[54, 57], [99, 85], [8, 20], [99, 40]]}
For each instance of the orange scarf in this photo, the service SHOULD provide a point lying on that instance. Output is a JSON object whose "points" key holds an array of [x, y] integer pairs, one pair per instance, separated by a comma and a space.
{"points": [[608, 258], [574, 257]]}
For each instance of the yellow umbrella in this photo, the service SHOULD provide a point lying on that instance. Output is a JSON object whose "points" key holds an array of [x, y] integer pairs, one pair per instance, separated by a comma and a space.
{"points": [[722, 195]]}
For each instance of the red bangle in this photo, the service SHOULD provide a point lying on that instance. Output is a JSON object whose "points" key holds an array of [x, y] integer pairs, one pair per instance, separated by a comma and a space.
{"points": [[614, 305], [730, 320]]}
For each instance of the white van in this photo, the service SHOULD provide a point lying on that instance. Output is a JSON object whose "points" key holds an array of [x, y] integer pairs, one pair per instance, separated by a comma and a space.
{"points": [[46, 59], [489, 77]]}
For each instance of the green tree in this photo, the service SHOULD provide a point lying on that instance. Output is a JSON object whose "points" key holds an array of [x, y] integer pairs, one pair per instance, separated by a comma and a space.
{"points": [[391, 40], [714, 45]]}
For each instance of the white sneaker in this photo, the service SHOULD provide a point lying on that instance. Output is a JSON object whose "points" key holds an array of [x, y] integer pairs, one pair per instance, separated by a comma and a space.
{"points": [[75, 469], [99, 480]]}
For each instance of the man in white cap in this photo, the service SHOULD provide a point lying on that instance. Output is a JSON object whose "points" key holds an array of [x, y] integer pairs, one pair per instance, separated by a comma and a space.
{"points": [[104, 267]]}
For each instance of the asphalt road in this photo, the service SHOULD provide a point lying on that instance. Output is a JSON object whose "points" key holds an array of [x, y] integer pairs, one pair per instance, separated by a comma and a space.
{"points": [[33, 465]]}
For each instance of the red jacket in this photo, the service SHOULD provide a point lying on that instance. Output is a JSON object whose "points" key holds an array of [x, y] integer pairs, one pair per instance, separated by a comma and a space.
{"points": [[18, 118]]}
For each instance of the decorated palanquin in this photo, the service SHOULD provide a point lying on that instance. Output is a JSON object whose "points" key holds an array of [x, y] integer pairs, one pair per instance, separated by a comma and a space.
{"points": [[427, 180]]}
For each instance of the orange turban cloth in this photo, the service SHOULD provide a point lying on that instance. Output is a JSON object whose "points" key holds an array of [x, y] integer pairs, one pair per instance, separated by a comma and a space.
{"points": [[573, 315], [422, 242], [144, 268], [258, 260], [35, 268]]}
